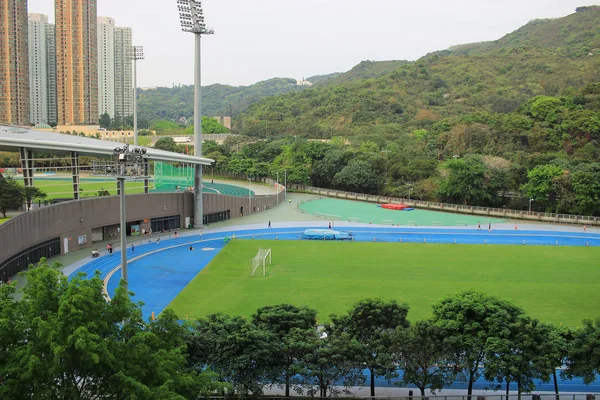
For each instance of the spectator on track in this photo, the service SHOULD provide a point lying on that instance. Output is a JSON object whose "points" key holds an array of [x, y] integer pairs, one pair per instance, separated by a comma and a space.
{"points": [[132, 248], [269, 226], [478, 226]]}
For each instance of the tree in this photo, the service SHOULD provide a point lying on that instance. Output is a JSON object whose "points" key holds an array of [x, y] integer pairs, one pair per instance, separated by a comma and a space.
{"points": [[236, 349], [11, 195], [332, 359], [30, 193], [293, 326], [541, 186], [584, 352], [371, 322], [166, 144], [357, 176], [472, 321], [466, 182], [211, 125], [104, 121], [71, 343], [333, 162], [419, 350], [518, 358]]}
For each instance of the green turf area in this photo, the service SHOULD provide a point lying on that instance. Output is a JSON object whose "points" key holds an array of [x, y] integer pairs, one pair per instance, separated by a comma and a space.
{"points": [[348, 210], [63, 188], [554, 284], [3, 220]]}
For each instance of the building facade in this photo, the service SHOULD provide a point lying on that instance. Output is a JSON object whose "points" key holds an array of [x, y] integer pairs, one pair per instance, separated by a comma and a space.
{"points": [[106, 66], [76, 62], [51, 77], [38, 69], [14, 63], [123, 72]]}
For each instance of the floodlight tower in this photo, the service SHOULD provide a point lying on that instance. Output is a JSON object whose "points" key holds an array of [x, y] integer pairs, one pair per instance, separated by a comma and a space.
{"points": [[129, 163], [192, 20], [136, 54]]}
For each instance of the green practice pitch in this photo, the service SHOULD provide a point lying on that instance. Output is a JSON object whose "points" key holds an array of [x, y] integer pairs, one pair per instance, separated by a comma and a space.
{"points": [[554, 284]]}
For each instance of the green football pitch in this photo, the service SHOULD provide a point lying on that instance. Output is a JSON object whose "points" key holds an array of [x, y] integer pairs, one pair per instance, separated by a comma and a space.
{"points": [[554, 284]]}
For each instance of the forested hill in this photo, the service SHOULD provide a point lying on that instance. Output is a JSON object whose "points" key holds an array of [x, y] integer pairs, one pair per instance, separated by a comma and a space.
{"points": [[544, 57], [172, 103]]}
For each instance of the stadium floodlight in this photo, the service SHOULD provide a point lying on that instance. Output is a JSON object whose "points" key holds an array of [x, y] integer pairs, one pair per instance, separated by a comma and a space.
{"points": [[130, 163], [137, 53], [192, 20]]}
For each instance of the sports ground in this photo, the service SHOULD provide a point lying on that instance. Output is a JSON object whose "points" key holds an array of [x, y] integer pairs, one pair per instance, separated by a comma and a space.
{"points": [[357, 211], [552, 275], [62, 187], [550, 283]]}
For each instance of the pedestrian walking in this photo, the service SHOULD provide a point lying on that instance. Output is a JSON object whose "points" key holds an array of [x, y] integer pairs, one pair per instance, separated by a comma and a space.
{"points": [[330, 225], [158, 241], [478, 226], [269, 224], [132, 248], [490, 227], [290, 201]]}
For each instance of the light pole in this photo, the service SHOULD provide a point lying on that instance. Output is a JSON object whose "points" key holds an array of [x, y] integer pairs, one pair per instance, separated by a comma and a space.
{"points": [[137, 54], [277, 188], [285, 183], [409, 192], [249, 196], [530, 201], [192, 20], [130, 164]]}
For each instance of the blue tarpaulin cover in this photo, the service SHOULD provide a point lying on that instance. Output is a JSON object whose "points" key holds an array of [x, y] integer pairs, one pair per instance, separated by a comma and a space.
{"points": [[326, 234]]}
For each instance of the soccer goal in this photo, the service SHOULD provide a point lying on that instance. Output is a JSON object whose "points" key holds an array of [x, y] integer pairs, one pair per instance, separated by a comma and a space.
{"points": [[354, 219], [437, 223], [261, 259]]}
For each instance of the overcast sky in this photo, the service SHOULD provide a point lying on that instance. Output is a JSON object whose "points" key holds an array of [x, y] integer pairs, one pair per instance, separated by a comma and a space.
{"points": [[261, 39]]}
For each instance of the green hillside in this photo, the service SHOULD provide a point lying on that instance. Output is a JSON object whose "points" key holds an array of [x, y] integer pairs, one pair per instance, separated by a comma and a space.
{"points": [[176, 102], [544, 57]]}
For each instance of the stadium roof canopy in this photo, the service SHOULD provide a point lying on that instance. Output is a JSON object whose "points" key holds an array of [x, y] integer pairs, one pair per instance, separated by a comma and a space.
{"points": [[12, 138]]}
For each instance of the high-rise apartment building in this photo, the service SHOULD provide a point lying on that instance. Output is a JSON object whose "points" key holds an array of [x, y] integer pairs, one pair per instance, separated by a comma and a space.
{"points": [[106, 66], [14, 63], [38, 69], [76, 61], [123, 74], [51, 76]]}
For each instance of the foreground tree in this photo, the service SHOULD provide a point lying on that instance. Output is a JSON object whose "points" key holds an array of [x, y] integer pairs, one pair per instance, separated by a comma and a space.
{"points": [[294, 327], [67, 342], [239, 352], [473, 321], [372, 323], [419, 351], [332, 359], [518, 358], [584, 352]]}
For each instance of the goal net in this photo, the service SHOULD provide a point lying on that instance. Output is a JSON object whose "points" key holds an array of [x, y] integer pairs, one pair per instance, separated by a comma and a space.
{"points": [[260, 261]]}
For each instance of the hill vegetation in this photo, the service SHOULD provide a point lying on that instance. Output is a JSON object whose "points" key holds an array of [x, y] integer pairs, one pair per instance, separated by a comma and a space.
{"points": [[217, 100], [490, 124]]}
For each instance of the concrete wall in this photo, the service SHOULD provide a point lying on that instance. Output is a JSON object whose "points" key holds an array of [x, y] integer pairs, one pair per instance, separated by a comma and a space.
{"points": [[72, 219]]}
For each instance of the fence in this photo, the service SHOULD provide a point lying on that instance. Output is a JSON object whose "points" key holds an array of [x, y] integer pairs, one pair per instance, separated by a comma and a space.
{"points": [[456, 208]]}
